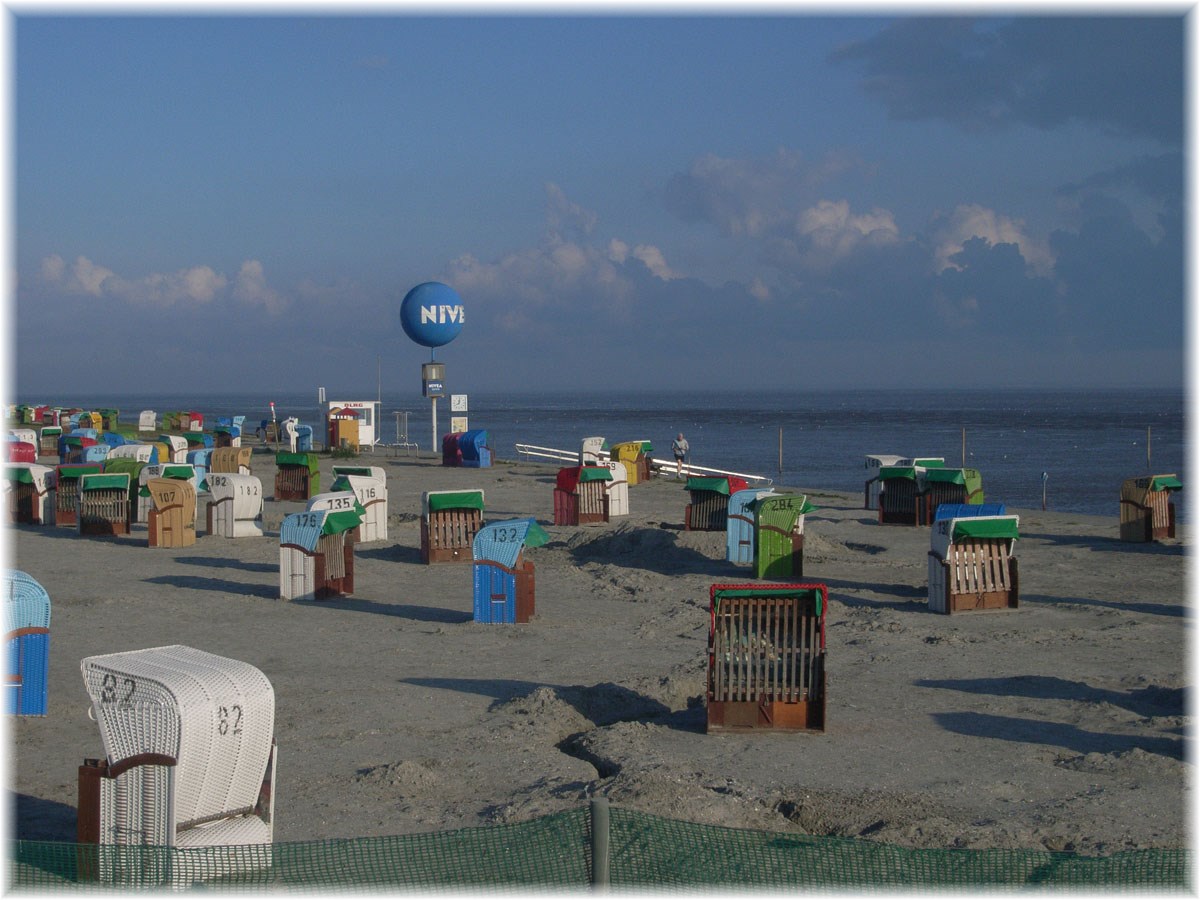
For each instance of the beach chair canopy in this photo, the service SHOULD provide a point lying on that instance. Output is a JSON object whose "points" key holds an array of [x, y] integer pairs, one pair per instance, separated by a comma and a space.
{"points": [[960, 510], [436, 501], [502, 542], [721, 484], [952, 531], [570, 477], [26, 603], [305, 529]]}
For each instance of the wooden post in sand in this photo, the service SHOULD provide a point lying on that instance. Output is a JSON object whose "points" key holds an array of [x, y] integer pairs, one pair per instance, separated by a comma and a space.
{"points": [[599, 812]]}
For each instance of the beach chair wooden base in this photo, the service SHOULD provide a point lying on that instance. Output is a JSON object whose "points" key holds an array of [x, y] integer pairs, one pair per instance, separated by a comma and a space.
{"points": [[446, 535], [752, 715], [292, 483], [979, 576]]}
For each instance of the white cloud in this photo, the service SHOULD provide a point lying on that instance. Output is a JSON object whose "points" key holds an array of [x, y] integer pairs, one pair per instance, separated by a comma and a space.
{"points": [[973, 221], [653, 260], [192, 287], [834, 232], [250, 287]]}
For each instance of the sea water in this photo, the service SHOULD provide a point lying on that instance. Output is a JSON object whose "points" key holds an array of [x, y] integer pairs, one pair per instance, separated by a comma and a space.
{"points": [[1074, 448]]}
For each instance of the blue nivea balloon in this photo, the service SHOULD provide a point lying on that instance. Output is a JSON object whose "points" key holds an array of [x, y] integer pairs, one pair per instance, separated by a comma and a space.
{"points": [[432, 314]]}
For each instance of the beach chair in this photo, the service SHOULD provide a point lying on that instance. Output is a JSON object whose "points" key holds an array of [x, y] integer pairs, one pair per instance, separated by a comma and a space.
{"points": [[95, 453], [66, 491], [180, 471], [901, 493], [197, 441], [226, 436], [739, 525], [146, 420], [316, 554], [451, 451], [1147, 513], [766, 657], [636, 457], [581, 496], [71, 446], [449, 522], [201, 462], [875, 462], [299, 437], [48, 440], [27, 634], [503, 580], [195, 421], [590, 451], [25, 436], [20, 451], [231, 460], [236, 507], [190, 755], [369, 485], [30, 490], [943, 485], [109, 418], [172, 519], [972, 566], [709, 506], [103, 504], [617, 489], [779, 535], [474, 449], [297, 475], [177, 447]]}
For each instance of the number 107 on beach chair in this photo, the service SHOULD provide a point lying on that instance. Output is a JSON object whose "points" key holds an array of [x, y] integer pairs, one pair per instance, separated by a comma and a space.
{"points": [[766, 657]]}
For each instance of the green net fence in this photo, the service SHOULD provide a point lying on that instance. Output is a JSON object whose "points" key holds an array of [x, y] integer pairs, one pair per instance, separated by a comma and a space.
{"points": [[556, 852]]}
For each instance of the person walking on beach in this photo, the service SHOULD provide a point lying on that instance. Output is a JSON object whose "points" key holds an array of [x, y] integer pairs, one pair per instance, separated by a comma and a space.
{"points": [[679, 448]]}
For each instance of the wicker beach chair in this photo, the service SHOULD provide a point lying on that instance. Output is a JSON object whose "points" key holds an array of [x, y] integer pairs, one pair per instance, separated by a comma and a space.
{"points": [[503, 580], [709, 506], [580, 495], [180, 471], [172, 519], [1147, 513], [48, 440], [236, 507], [231, 460], [636, 457], [297, 476], [66, 491], [739, 525], [27, 634], [590, 451], [177, 446], [103, 504], [617, 489], [146, 420], [473, 445], [766, 657], [449, 522], [451, 451], [316, 554], [972, 566], [945, 485], [779, 535], [369, 485], [30, 490], [189, 763]]}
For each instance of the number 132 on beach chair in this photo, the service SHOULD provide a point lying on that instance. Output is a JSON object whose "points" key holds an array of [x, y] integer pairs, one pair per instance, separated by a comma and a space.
{"points": [[503, 581]]}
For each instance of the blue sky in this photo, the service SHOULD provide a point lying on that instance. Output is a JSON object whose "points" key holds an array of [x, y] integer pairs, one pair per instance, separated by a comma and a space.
{"points": [[703, 199]]}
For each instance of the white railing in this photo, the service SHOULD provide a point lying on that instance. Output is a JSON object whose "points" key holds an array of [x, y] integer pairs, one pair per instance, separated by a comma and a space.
{"points": [[528, 451]]}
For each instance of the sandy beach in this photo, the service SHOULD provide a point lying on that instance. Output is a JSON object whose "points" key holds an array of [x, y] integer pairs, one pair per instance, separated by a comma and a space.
{"points": [[1059, 725]]}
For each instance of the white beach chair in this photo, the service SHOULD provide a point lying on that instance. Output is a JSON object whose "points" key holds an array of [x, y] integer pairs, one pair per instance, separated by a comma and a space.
{"points": [[369, 485], [618, 488], [189, 763], [236, 507], [30, 490], [316, 550], [146, 420], [590, 450]]}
